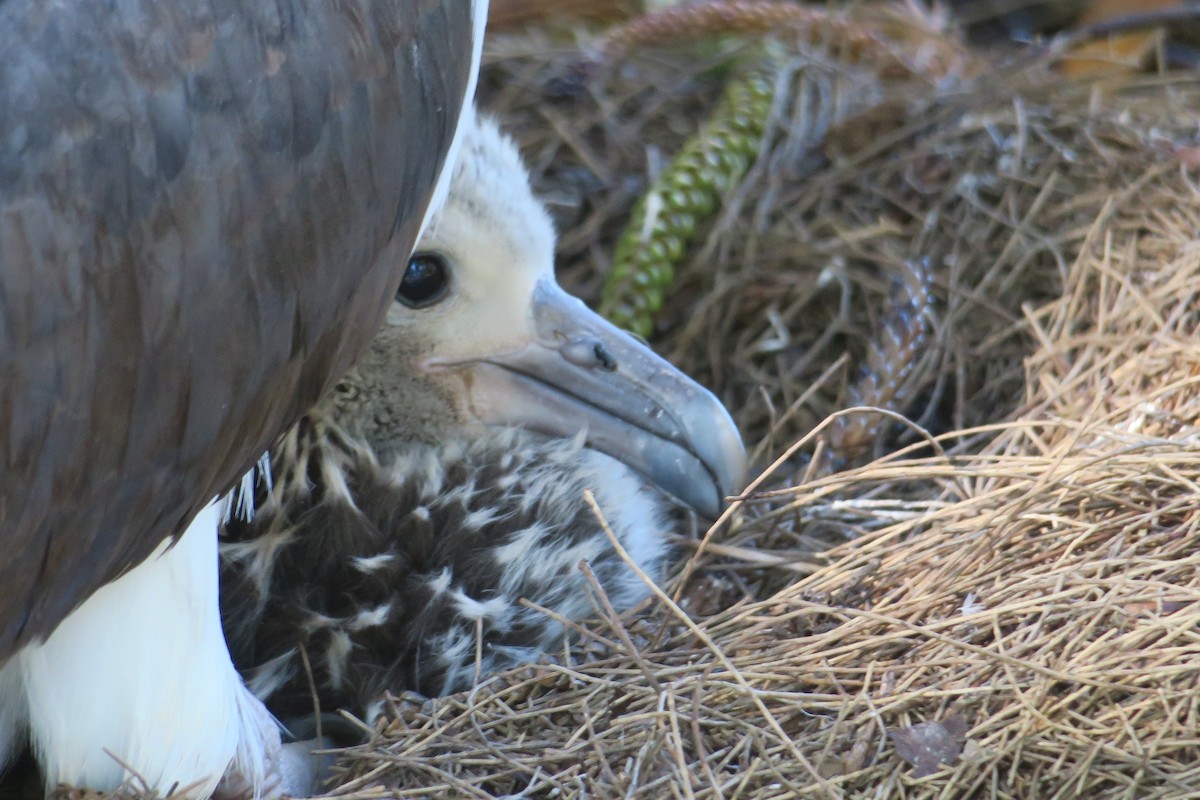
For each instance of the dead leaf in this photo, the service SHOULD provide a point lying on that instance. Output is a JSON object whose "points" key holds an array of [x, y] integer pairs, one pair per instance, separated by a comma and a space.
{"points": [[929, 746], [1188, 156], [1119, 54]]}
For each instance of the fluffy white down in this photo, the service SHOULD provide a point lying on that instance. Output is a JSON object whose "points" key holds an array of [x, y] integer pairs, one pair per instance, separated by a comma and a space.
{"points": [[636, 516]]}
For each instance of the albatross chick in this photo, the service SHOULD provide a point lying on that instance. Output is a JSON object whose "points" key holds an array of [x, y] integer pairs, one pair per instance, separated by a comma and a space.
{"points": [[443, 479]]}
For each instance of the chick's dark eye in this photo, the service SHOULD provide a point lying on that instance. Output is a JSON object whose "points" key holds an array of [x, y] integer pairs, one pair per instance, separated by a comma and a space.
{"points": [[424, 282]]}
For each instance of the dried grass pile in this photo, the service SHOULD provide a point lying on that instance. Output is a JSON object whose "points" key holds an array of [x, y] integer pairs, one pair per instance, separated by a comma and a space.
{"points": [[1013, 612]]}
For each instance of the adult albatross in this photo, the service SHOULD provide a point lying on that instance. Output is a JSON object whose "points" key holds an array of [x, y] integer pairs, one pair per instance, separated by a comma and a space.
{"points": [[203, 207]]}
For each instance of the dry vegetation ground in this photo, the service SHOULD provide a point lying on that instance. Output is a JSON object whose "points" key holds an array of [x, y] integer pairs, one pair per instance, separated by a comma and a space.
{"points": [[1011, 611]]}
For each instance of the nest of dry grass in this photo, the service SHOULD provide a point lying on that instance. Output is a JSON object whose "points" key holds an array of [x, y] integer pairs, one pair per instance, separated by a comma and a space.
{"points": [[1002, 598]]}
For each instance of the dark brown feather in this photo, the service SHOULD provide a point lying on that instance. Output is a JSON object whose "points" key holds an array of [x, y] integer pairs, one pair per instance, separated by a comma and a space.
{"points": [[194, 200]]}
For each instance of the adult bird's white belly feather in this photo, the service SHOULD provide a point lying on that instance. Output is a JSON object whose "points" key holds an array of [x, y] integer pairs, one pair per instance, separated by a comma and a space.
{"points": [[86, 700], [443, 479], [202, 210]]}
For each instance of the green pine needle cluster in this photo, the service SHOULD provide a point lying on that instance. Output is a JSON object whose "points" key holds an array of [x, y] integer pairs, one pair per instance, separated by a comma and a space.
{"points": [[688, 191]]}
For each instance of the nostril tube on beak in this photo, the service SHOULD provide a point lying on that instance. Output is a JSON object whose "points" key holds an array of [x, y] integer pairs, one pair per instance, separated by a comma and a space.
{"points": [[589, 354], [605, 358]]}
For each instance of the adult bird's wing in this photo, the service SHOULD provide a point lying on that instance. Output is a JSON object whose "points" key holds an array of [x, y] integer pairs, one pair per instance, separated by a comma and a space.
{"points": [[203, 206]]}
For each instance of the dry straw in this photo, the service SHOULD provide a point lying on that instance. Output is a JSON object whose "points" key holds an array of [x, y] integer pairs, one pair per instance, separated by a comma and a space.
{"points": [[1030, 588]]}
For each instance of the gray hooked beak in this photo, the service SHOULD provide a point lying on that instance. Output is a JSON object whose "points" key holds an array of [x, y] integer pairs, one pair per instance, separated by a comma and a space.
{"points": [[577, 372]]}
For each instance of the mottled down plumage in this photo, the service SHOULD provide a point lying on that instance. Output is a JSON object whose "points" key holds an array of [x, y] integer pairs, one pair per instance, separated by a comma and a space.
{"points": [[395, 541], [392, 574]]}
